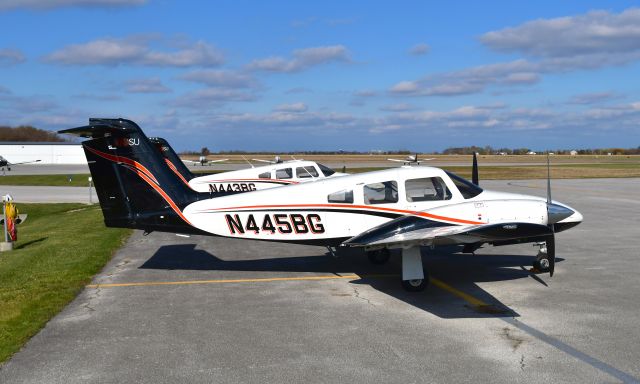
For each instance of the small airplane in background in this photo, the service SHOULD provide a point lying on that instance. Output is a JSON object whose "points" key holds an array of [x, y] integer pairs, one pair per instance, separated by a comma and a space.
{"points": [[402, 208], [6, 163], [410, 160], [276, 174]]}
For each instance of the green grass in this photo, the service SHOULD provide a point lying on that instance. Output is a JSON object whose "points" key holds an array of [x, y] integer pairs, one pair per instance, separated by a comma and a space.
{"points": [[80, 180], [59, 248]]}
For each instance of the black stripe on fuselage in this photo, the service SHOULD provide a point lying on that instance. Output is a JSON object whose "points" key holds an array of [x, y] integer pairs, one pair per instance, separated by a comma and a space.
{"points": [[389, 215]]}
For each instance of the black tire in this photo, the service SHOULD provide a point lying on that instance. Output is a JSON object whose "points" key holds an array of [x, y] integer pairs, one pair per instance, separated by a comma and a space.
{"points": [[416, 285], [379, 256], [541, 264]]}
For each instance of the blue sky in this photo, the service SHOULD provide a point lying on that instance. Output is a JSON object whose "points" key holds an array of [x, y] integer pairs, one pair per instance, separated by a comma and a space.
{"points": [[285, 75]]}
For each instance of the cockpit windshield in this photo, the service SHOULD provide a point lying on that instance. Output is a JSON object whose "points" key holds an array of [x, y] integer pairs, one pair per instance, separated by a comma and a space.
{"points": [[326, 170], [467, 189]]}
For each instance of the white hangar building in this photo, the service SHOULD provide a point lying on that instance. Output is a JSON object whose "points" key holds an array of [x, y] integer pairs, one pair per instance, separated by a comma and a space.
{"points": [[47, 153]]}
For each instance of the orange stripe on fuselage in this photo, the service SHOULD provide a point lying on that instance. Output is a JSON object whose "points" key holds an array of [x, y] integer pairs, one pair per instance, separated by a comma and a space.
{"points": [[367, 207]]}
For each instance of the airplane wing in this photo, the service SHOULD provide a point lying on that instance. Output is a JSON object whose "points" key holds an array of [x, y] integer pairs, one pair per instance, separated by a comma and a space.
{"points": [[190, 161], [388, 234], [24, 162], [398, 160], [217, 161], [264, 161]]}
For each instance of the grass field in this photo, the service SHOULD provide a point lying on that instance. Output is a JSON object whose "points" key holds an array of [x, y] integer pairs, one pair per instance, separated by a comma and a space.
{"points": [[560, 171], [462, 159], [78, 180], [60, 247]]}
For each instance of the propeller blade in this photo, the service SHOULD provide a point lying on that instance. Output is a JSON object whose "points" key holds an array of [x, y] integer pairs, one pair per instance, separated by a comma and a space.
{"points": [[548, 180], [474, 172], [551, 252]]}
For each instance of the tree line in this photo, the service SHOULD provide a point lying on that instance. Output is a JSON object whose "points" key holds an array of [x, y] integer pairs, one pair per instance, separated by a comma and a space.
{"points": [[29, 133]]}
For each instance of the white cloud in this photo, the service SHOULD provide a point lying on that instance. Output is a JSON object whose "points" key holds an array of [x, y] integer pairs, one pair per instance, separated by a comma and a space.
{"points": [[51, 4], [593, 98], [419, 49], [135, 51], [302, 59], [596, 32], [212, 98], [9, 56], [221, 78], [294, 107], [153, 85], [594, 40], [400, 107]]}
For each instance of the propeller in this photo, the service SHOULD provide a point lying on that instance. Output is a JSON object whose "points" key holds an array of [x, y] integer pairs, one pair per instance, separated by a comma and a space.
{"points": [[551, 239], [474, 172]]}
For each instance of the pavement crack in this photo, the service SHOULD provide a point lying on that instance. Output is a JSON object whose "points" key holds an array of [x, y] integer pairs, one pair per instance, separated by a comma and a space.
{"points": [[514, 340], [358, 296], [522, 364]]}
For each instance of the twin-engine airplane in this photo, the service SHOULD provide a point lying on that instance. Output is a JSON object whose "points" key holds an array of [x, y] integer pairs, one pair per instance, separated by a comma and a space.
{"points": [[404, 208], [245, 180]]}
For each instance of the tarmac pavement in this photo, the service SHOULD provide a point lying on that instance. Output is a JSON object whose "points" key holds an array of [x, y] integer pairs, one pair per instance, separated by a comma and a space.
{"points": [[203, 309]]}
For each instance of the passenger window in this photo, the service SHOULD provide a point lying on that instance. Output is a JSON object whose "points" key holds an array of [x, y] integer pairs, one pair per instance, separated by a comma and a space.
{"points": [[381, 193], [285, 173], [343, 196], [427, 189], [266, 175], [305, 172]]}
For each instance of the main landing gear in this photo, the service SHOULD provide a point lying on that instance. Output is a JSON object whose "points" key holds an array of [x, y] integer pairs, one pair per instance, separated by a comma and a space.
{"points": [[541, 263], [414, 277]]}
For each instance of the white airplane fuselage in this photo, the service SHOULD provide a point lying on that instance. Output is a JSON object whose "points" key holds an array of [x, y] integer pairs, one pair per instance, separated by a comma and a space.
{"points": [[330, 210], [263, 177]]}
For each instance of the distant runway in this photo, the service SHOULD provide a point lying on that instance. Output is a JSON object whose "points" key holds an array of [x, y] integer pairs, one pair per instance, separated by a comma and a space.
{"points": [[30, 194], [72, 169]]}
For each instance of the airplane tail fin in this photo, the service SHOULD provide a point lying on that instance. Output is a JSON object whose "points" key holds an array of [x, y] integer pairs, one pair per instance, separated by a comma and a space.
{"points": [[172, 159], [135, 187]]}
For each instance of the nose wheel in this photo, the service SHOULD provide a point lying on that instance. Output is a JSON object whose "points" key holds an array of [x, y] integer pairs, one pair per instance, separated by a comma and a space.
{"points": [[541, 263]]}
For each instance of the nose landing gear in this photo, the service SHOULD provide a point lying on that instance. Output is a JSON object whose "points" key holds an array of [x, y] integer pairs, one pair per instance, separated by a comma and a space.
{"points": [[541, 263]]}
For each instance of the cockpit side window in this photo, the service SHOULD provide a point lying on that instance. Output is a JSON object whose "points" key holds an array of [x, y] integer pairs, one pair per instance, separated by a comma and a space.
{"points": [[265, 175], [326, 171], [306, 172], [426, 189], [344, 196], [467, 189], [381, 193], [284, 173]]}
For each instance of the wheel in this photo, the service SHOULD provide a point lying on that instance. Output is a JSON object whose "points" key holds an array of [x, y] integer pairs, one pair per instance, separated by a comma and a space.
{"points": [[541, 264], [379, 256], [416, 285]]}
